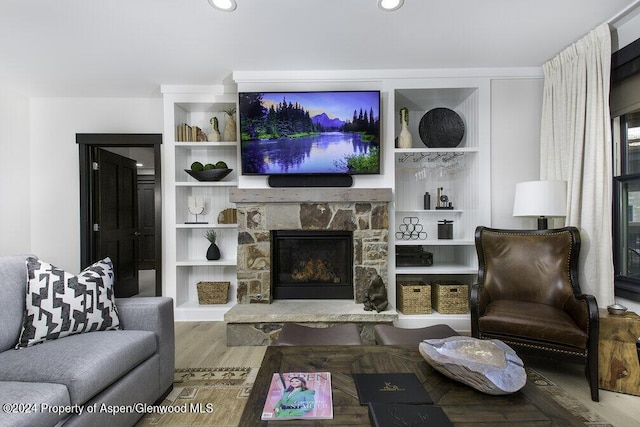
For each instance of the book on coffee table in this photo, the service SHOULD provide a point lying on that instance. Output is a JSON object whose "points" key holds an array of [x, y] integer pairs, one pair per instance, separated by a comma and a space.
{"points": [[406, 414], [299, 395], [392, 387]]}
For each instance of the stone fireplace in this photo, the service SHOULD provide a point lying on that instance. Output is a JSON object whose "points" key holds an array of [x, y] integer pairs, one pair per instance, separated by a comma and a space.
{"points": [[264, 213]]}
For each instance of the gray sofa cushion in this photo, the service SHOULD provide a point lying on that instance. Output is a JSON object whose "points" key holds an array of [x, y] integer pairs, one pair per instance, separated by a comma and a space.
{"points": [[75, 361], [34, 396], [13, 285]]}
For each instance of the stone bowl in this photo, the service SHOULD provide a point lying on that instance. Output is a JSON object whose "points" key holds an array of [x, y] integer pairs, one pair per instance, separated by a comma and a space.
{"points": [[617, 309], [209, 175]]}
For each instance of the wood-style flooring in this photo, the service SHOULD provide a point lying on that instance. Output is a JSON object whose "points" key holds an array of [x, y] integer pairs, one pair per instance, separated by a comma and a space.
{"points": [[203, 344]]}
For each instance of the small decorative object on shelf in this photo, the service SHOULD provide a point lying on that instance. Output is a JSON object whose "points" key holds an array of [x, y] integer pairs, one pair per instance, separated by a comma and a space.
{"points": [[201, 136], [445, 229], [413, 256], [441, 128], [230, 132], [427, 201], [209, 172], [228, 216], [443, 200], [411, 229], [214, 136], [196, 207], [404, 139], [213, 253]]}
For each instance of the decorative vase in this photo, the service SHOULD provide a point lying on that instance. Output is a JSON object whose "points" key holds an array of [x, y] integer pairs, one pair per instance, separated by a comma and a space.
{"points": [[214, 136], [404, 139], [213, 253], [230, 133]]}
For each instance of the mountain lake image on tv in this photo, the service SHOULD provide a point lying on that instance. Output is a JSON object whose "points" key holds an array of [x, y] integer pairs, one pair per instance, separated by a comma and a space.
{"points": [[310, 132]]}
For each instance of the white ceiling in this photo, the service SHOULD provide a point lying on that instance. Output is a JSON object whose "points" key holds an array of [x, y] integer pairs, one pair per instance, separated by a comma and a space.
{"points": [[130, 47]]}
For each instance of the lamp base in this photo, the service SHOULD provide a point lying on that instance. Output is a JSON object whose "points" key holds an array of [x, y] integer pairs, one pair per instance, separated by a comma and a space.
{"points": [[543, 223]]}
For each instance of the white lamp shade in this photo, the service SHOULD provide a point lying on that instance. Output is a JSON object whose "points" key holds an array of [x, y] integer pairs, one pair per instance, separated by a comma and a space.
{"points": [[540, 198]]}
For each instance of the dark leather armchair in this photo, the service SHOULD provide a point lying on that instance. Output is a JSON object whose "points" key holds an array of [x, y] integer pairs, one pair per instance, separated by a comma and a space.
{"points": [[528, 296]]}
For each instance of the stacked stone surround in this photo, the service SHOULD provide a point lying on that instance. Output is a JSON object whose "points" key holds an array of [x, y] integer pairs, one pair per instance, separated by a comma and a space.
{"points": [[368, 221]]}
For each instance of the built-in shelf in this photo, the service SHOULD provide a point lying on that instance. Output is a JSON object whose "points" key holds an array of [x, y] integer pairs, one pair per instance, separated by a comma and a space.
{"points": [[206, 226], [186, 245], [433, 242], [459, 172], [207, 184]]}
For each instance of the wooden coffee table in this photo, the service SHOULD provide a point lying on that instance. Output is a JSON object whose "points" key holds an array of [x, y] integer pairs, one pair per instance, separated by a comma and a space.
{"points": [[462, 404]]}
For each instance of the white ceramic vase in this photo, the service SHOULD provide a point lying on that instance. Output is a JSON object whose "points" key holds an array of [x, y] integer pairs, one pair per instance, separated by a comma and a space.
{"points": [[214, 136], [230, 133], [404, 139]]}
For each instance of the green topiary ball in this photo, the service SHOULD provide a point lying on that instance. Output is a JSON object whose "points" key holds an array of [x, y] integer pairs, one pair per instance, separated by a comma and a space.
{"points": [[197, 166]]}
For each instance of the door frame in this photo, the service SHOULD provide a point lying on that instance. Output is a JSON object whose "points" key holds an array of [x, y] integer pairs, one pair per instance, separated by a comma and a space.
{"points": [[86, 142]]}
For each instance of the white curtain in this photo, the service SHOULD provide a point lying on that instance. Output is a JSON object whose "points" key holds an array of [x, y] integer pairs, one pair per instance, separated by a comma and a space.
{"points": [[575, 147]]}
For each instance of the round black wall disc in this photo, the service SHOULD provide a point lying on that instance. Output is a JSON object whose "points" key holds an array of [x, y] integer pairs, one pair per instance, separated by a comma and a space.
{"points": [[441, 128]]}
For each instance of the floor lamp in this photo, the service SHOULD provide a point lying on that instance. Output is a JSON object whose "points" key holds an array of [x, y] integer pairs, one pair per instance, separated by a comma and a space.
{"points": [[541, 199]]}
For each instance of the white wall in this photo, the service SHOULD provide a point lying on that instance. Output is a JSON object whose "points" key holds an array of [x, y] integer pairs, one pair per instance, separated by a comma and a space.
{"points": [[15, 229], [516, 108], [627, 31], [54, 164]]}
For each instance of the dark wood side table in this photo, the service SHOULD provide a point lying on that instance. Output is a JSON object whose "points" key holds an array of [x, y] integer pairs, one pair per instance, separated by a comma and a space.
{"points": [[462, 404], [618, 364]]}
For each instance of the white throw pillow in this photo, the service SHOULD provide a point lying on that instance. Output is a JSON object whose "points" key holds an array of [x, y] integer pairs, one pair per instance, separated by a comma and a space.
{"points": [[59, 303]]}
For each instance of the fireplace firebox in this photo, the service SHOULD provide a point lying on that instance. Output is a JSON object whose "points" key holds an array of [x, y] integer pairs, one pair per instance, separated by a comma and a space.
{"points": [[312, 264]]}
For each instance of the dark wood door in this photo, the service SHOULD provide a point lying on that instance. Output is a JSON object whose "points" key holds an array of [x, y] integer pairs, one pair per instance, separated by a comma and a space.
{"points": [[146, 222], [116, 218]]}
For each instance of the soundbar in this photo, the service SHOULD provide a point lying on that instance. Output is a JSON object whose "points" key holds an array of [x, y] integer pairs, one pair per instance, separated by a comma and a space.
{"points": [[338, 180]]}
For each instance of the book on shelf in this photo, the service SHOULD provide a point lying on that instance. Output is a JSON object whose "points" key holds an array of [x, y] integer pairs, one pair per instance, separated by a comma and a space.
{"points": [[299, 395], [391, 387], [407, 414], [187, 133]]}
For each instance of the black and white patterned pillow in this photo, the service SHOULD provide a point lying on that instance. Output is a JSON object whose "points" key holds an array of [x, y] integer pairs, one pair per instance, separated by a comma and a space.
{"points": [[61, 304]]}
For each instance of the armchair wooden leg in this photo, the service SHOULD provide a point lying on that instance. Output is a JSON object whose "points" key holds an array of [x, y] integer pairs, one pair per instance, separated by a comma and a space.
{"points": [[592, 378]]}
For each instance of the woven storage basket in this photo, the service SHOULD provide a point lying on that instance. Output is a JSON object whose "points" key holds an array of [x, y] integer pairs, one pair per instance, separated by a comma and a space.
{"points": [[450, 297], [414, 298], [213, 292]]}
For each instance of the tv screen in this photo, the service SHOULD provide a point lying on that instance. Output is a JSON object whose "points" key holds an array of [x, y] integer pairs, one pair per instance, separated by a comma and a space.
{"points": [[310, 132]]}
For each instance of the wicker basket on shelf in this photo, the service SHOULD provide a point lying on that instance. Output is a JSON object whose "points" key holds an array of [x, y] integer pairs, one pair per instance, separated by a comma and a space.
{"points": [[414, 297], [449, 297], [213, 292]]}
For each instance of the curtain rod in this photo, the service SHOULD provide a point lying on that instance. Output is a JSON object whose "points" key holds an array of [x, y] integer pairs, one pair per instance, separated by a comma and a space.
{"points": [[623, 13]]}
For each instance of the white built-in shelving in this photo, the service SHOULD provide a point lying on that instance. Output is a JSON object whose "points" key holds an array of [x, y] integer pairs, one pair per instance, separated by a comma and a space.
{"points": [[462, 172], [185, 246]]}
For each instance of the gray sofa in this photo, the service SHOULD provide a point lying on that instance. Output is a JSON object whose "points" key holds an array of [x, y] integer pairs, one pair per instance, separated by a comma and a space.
{"points": [[82, 379]]}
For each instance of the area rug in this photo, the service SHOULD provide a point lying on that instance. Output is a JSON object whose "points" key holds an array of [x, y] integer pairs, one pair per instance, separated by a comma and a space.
{"points": [[216, 397], [566, 400], [212, 397]]}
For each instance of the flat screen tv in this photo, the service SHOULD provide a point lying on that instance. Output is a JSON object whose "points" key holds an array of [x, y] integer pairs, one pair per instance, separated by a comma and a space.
{"points": [[310, 133]]}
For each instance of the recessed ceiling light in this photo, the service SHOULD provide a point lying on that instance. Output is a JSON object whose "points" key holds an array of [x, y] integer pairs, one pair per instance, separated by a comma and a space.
{"points": [[225, 5], [390, 5]]}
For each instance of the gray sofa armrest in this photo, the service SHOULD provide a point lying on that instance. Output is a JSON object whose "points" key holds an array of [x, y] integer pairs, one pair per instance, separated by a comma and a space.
{"points": [[152, 314]]}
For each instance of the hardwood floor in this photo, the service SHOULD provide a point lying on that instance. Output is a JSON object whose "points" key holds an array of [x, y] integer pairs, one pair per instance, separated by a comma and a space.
{"points": [[203, 344]]}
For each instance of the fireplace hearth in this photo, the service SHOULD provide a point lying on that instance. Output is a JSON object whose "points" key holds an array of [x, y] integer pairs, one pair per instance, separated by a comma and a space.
{"points": [[312, 264]]}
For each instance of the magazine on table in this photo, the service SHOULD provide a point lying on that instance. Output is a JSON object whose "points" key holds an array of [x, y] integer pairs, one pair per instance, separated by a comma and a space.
{"points": [[299, 395]]}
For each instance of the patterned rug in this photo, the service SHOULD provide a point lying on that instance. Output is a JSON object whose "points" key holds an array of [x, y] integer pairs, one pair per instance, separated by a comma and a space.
{"points": [[215, 397], [212, 397]]}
